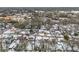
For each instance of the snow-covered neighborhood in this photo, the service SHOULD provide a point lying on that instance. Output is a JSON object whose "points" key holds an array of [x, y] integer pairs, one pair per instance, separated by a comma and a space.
{"points": [[23, 29]]}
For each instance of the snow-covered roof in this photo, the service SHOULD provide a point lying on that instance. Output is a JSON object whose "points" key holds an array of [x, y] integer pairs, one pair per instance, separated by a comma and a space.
{"points": [[48, 34], [38, 37], [23, 32], [29, 47], [41, 34], [46, 31], [58, 32], [45, 37], [59, 39], [0, 36], [31, 36], [41, 30], [17, 41], [13, 45], [9, 32]]}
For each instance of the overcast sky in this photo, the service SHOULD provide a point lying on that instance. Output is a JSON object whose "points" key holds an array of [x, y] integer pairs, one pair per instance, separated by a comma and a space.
{"points": [[39, 3]]}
